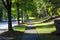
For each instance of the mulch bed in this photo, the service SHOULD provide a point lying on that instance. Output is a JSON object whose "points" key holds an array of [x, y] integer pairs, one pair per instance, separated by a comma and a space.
{"points": [[55, 33], [11, 35]]}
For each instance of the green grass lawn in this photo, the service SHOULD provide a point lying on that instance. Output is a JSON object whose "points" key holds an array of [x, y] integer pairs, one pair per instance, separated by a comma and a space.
{"points": [[45, 30], [19, 28]]}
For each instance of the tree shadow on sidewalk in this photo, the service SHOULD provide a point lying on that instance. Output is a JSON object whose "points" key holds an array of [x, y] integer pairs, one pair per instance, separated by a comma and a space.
{"points": [[11, 35]]}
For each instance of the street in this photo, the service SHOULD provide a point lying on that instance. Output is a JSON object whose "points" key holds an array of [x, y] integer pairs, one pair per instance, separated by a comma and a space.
{"points": [[4, 25]]}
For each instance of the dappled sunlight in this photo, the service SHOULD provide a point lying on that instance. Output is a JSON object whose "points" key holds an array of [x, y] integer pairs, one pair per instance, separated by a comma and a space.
{"points": [[45, 30], [19, 28], [45, 34], [36, 22], [30, 31], [18, 17], [31, 25], [42, 24], [45, 26], [32, 18]]}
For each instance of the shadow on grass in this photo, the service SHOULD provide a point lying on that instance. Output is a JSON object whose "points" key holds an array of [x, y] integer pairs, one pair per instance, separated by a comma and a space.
{"points": [[47, 36], [45, 32], [46, 26]]}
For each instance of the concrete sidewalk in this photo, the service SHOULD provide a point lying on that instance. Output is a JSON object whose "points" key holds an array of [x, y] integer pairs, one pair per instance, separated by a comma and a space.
{"points": [[30, 33]]}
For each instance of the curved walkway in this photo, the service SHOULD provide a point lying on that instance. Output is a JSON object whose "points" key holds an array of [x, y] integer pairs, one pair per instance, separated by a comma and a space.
{"points": [[30, 32]]}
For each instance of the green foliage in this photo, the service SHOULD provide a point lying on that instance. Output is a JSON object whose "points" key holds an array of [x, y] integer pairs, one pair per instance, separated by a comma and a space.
{"points": [[36, 8], [55, 7]]}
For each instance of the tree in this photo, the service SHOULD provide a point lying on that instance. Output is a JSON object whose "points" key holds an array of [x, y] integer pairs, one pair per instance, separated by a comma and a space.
{"points": [[18, 14], [1, 11], [1, 14], [7, 4]]}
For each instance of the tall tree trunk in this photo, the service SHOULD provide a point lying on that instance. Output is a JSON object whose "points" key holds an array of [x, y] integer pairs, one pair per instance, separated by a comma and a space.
{"points": [[1, 14], [25, 16], [18, 13], [9, 21], [17, 5], [9, 15], [7, 5], [22, 17]]}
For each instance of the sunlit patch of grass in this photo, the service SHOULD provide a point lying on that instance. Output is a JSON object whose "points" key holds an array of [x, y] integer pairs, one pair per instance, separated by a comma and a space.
{"points": [[45, 30], [41, 24], [19, 28]]}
